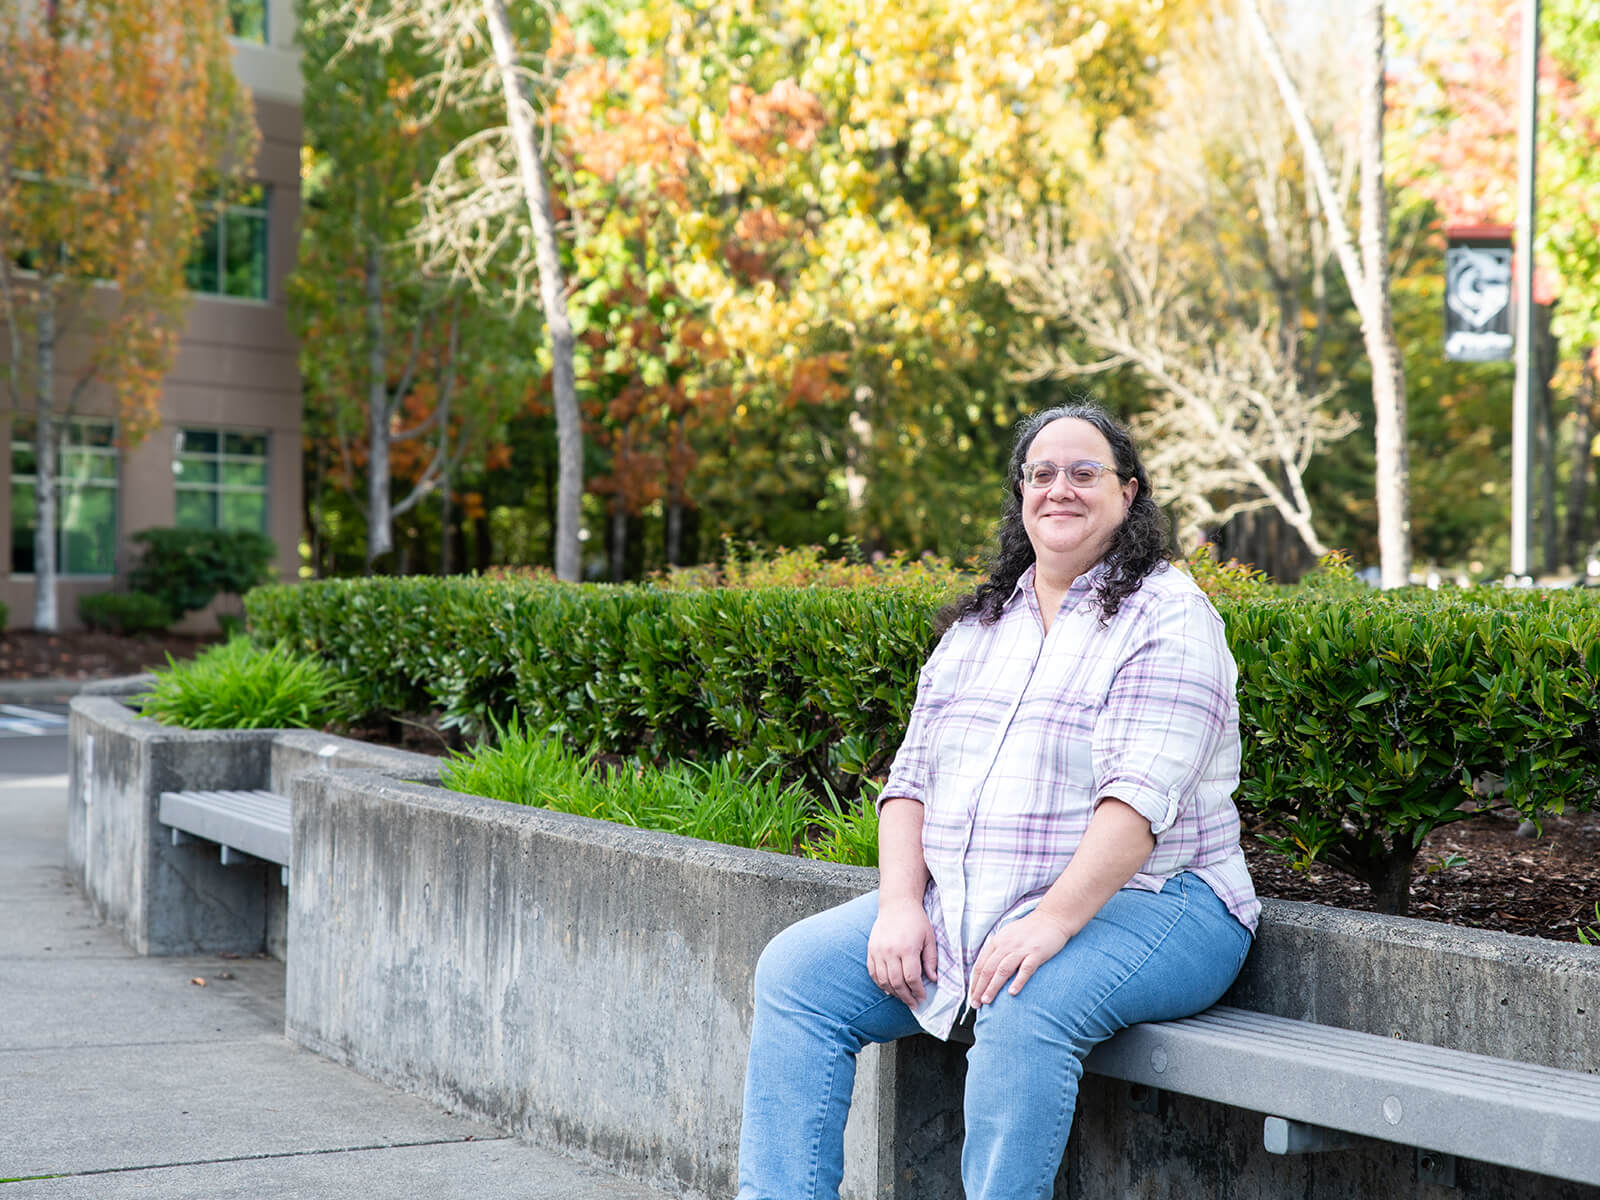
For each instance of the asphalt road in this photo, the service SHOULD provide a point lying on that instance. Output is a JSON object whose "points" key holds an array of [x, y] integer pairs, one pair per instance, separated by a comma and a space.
{"points": [[33, 740]]}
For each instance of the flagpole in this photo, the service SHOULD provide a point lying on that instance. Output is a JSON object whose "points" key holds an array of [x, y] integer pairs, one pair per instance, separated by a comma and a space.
{"points": [[1527, 351]]}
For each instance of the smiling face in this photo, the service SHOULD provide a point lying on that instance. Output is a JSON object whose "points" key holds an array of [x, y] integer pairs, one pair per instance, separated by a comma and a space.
{"points": [[1071, 527]]}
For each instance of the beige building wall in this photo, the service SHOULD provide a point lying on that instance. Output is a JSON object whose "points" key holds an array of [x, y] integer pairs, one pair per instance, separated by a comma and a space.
{"points": [[236, 368]]}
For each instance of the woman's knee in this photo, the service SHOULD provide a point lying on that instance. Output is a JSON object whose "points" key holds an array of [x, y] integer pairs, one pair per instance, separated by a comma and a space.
{"points": [[815, 951], [778, 970]]}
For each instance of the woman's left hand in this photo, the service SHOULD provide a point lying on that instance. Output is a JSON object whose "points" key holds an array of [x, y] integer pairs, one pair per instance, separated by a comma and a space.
{"points": [[1017, 949]]}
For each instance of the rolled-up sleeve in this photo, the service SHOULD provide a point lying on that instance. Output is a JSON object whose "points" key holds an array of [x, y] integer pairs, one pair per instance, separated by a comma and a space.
{"points": [[1169, 708], [911, 774]]}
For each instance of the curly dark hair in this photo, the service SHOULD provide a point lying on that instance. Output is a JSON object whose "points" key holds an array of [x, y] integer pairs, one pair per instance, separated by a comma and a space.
{"points": [[1138, 547]]}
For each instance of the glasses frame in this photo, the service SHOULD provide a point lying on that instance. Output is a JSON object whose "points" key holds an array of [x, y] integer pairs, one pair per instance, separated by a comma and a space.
{"points": [[1100, 470]]}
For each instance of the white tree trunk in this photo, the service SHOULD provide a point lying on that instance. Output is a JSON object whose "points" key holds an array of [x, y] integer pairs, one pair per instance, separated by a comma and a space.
{"points": [[675, 501], [552, 294], [1367, 273], [46, 437], [380, 535], [1377, 326]]}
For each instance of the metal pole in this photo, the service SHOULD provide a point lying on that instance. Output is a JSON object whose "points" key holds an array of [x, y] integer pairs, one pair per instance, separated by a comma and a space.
{"points": [[1527, 352]]}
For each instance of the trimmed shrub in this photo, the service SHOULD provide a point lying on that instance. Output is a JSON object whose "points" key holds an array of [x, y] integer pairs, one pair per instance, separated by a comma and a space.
{"points": [[752, 566], [241, 686], [819, 682], [124, 612], [1366, 721], [186, 568], [1222, 581], [1366, 716]]}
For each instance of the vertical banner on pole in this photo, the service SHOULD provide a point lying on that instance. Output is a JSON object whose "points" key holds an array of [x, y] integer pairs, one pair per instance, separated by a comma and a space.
{"points": [[1477, 294]]}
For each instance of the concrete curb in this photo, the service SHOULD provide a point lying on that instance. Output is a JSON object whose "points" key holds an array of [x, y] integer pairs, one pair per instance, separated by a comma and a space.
{"points": [[21, 691]]}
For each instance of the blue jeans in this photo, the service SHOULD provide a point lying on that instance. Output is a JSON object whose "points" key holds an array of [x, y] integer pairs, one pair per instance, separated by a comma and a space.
{"points": [[1146, 956]]}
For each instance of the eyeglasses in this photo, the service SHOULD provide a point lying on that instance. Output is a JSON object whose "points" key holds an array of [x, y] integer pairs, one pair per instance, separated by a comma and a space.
{"points": [[1084, 473]]}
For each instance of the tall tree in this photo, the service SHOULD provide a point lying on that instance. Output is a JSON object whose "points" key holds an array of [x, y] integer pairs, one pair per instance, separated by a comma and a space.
{"points": [[1365, 266], [487, 206], [848, 154], [1194, 256], [117, 118], [385, 364]]}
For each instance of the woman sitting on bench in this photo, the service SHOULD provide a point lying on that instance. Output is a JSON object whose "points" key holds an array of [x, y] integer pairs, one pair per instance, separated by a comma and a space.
{"points": [[1059, 849]]}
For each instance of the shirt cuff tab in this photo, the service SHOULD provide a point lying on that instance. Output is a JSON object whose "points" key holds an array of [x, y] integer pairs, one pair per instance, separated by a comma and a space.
{"points": [[1161, 810]]}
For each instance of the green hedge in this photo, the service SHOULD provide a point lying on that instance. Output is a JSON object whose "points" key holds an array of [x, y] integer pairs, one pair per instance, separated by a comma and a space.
{"points": [[1366, 721], [1366, 717], [187, 568], [817, 682]]}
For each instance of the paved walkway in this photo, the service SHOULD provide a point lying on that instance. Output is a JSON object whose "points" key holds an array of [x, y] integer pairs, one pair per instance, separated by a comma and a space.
{"points": [[123, 1076]]}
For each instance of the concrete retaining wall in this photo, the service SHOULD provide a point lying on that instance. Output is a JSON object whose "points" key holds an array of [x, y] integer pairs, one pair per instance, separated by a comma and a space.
{"points": [[589, 985], [573, 980], [170, 899], [1514, 997], [165, 899]]}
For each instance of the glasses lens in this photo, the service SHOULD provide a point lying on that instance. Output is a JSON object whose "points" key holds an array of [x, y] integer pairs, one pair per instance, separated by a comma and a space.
{"points": [[1084, 474], [1038, 474]]}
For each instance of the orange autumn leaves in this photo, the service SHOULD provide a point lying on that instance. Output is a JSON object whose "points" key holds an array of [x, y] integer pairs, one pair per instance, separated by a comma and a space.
{"points": [[116, 118], [637, 181]]}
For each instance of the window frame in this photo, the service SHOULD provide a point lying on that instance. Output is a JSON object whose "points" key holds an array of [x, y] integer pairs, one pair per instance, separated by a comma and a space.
{"points": [[214, 215], [217, 487], [64, 446]]}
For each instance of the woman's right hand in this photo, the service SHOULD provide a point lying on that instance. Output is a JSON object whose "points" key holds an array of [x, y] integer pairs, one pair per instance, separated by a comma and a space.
{"points": [[902, 951]]}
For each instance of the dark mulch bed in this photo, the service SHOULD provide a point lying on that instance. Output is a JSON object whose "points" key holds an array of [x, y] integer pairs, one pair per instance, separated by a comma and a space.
{"points": [[25, 654], [1545, 887]]}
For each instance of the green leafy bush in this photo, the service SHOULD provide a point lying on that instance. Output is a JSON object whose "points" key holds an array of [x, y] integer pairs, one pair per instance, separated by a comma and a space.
{"points": [[1366, 716], [752, 566], [1332, 576], [5, 616], [817, 681], [186, 568], [1229, 580], [241, 686], [1366, 720], [124, 612]]}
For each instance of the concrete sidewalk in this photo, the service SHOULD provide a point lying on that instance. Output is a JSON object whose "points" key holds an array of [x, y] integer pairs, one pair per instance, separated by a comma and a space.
{"points": [[124, 1076]]}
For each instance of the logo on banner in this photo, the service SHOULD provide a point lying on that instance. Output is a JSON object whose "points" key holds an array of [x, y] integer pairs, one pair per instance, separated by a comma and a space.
{"points": [[1477, 301]]}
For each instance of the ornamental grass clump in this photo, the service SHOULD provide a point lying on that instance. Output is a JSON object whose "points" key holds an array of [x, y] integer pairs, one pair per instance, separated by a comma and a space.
{"points": [[241, 686], [720, 801]]}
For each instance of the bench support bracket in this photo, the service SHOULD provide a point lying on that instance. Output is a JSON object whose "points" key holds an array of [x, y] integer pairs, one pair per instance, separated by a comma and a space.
{"points": [[1283, 1136], [1144, 1098], [1435, 1168]]}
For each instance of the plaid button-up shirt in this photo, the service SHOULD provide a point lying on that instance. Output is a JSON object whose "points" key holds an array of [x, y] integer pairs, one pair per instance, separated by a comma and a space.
{"points": [[1016, 735]]}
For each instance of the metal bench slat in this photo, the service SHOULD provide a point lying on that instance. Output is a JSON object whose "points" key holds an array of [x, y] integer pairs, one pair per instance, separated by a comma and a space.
{"points": [[1412, 1058], [255, 822], [1531, 1118]]}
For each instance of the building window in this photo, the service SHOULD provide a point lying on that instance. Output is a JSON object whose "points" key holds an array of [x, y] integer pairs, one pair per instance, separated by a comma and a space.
{"points": [[86, 497], [230, 256], [221, 479], [247, 20]]}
